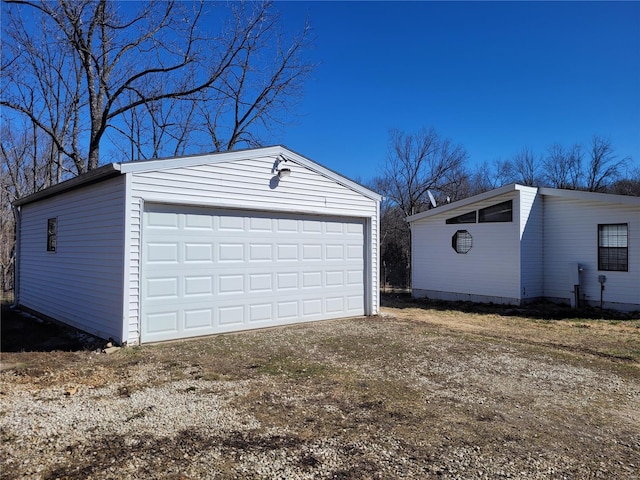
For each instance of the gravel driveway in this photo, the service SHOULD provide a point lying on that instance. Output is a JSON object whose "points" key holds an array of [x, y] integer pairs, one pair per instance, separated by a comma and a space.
{"points": [[414, 393]]}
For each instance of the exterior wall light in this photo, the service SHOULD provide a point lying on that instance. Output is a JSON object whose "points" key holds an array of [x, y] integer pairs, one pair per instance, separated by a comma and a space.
{"points": [[284, 173]]}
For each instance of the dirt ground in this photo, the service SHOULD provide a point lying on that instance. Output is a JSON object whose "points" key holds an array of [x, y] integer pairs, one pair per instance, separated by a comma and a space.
{"points": [[425, 390]]}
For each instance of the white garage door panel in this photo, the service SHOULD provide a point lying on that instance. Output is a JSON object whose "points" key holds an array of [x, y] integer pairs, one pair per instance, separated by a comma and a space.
{"points": [[210, 271]]}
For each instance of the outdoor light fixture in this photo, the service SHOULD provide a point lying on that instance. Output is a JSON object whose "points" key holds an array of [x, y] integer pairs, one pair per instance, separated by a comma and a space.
{"points": [[284, 173]]}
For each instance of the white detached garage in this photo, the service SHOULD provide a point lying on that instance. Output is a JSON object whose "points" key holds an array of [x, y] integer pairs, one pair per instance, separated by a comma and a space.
{"points": [[165, 249]]}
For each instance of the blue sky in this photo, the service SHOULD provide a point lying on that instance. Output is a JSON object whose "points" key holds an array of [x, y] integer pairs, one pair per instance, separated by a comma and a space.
{"points": [[495, 77]]}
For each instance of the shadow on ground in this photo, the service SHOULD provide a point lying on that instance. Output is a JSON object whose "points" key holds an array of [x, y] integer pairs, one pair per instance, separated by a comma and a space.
{"points": [[21, 332]]}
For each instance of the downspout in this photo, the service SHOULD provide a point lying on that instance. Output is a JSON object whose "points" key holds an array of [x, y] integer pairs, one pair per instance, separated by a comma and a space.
{"points": [[16, 264]]}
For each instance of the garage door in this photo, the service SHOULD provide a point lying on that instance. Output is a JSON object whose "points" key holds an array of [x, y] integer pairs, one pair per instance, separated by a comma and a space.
{"points": [[206, 272]]}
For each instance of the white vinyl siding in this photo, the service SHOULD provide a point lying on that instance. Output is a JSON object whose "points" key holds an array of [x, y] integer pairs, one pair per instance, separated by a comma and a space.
{"points": [[531, 249], [491, 269], [571, 236], [81, 282], [248, 185]]}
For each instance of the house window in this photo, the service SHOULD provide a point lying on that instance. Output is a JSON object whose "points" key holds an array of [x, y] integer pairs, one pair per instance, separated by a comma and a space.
{"points": [[52, 234], [465, 218], [613, 250], [462, 241], [500, 212]]}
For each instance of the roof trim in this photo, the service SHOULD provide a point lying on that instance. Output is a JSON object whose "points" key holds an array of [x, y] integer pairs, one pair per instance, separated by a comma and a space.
{"points": [[512, 187], [196, 159], [114, 169], [590, 196], [99, 174]]}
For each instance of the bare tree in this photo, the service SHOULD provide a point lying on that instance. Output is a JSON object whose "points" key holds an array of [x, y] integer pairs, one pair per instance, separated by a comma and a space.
{"points": [[563, 167], [524, 168], [7, 236], [395, 239], [604, 168], [42, 83], [629, 185], [481, 179], [155, 129], [24, 151], [266, 75], [163, 51], [395, 246], [22, 171], [595, 169], [417, 163]]}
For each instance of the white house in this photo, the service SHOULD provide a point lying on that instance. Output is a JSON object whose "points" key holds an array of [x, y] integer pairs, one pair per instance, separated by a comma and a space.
{"points": [[519, 244], [164, 249]]}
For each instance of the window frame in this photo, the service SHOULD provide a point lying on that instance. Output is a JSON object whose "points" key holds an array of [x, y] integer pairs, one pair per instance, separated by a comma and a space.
{"points": [[52, 234], [462, 219], [496, 206], [620, 262], [456, 245]]}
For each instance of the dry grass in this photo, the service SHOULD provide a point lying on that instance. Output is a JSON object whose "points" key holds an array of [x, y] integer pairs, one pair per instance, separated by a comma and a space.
{"points": [[415, 393], [602, 337]]}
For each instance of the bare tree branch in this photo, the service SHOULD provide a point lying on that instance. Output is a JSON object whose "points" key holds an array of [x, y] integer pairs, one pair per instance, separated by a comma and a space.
{"points": [[604, 167], [417, 163], [155, 58], [563, 167]]}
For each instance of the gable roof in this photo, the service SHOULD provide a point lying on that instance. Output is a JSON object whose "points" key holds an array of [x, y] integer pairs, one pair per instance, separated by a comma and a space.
{"points": [[544, 191], [115, 169]]}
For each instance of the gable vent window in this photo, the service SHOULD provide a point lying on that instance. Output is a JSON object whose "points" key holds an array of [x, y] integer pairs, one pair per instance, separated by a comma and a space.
{"points": [[465, 218], [52, 234], [462, 241], [613, 250], [501, 212]]}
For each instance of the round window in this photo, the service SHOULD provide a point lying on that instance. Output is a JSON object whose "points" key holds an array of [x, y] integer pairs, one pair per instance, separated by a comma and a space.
{"points": [[462, 241]]}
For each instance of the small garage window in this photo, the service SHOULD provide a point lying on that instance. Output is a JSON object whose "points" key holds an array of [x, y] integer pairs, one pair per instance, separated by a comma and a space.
{"points": [[462, 241], [52, 234]]}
